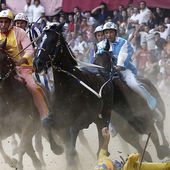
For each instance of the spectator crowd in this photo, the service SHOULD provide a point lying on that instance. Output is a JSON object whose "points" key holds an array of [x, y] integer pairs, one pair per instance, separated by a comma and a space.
{"points": [[151, 41]]}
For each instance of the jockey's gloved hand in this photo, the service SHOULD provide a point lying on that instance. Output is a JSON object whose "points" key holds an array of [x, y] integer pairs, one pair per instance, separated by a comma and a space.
{"points": [[119, 68], [21, 61]]}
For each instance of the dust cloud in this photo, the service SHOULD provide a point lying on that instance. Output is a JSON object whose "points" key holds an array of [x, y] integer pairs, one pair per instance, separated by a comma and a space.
{"points": [[117, 148]]}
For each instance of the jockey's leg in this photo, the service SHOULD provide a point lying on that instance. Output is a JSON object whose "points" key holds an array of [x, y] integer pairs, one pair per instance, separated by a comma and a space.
{"points": [[37, 94], [132, 82]]}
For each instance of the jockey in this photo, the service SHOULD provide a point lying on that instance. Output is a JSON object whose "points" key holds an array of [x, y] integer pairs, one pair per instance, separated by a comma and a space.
{"points": [[98, 33], [122, 52], [99, 36], [17, 40], [21, 21], [105, 163]]}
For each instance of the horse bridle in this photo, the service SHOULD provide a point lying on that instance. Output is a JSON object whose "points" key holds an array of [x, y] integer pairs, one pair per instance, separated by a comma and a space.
{"points": [[51, 57], [59, 69]]}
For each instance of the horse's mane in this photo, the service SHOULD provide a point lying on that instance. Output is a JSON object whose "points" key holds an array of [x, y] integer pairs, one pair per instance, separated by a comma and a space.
{"points": [[69, 50], [58, 28]]}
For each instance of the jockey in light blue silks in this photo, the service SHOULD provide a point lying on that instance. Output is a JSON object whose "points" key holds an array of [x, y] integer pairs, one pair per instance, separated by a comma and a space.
{"points": [[122, 51]]}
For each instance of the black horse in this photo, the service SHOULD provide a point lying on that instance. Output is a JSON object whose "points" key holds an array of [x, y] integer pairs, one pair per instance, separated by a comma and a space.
{"points": [[75, 103], [17, 112], [132, 115]]}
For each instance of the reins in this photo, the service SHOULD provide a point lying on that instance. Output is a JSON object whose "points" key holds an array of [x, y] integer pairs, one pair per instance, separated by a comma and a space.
{"points": [[11, 70], [59, 69]]}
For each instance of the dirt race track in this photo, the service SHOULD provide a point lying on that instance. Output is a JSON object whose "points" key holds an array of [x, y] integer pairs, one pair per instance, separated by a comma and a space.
{"points": [[87, 160]]}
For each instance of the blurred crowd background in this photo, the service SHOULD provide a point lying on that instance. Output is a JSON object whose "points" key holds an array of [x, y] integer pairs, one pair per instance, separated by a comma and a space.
{"points": [[151, 43]]}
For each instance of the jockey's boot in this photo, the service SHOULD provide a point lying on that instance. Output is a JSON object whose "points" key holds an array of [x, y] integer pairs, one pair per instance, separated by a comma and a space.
{"points": [[151, 101], [157, 115], [48, 122]]}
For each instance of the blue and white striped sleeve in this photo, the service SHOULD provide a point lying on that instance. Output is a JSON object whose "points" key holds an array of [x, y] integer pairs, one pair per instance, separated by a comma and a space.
{"points": [[125, 55]]}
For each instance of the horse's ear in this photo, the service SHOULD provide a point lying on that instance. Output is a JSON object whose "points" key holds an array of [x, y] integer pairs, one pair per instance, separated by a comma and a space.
{"points": [[107, 47], [60, 27], [95, 47], [3, 44]]}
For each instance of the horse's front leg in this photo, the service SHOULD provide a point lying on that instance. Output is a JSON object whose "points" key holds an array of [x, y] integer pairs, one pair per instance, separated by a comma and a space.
{"points": [[26, 146], [11, 162], [71, 153], [39, 146], [160, 126], [99, 125], [85, 143]]}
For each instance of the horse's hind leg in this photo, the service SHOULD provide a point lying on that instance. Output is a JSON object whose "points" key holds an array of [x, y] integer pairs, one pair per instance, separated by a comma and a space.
{"points": [[133, 138], [162, 151], [30, 151], [11, 162], [160, 126], [71, 153], [85, 142], [14, 144], [39, 146]]}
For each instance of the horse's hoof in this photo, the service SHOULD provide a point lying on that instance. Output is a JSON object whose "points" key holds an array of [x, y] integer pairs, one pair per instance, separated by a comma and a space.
{"points": [[73, 153], [43, 164], [164, 152], [19, 167], [13, 163], [57, 149], [37, 165]]}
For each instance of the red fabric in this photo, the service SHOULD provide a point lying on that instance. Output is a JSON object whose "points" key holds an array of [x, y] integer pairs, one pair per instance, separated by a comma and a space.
{"points": [[71, 27], [84, 5], [142, 59], [155, 3]]}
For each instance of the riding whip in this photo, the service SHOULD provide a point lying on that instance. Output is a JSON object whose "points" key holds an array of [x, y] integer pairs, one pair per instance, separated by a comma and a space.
{"points": [[146, 144]]}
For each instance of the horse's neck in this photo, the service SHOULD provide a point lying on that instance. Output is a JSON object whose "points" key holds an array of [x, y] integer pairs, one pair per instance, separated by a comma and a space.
{"points": [[67, 64], [67, 55]]}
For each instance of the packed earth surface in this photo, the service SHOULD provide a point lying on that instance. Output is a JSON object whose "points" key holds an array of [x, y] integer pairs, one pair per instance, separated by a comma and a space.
{"points": [[117, 148]]}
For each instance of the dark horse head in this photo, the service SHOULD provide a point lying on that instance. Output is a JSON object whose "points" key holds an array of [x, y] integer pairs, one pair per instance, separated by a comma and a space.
{"points": [[74, 105], [52, 45], [7, 65]]}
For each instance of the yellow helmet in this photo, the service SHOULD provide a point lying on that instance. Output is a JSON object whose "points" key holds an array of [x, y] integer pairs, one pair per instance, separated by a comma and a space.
{"points": [[6, 14]]}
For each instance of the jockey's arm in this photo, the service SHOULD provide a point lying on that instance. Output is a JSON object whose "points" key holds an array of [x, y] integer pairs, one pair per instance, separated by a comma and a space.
{"points": [[29, 51], [125, 55]]}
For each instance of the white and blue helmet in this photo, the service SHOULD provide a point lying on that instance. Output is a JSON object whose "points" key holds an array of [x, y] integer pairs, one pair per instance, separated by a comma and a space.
{"points": [[98, 29], [110, 26]]}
